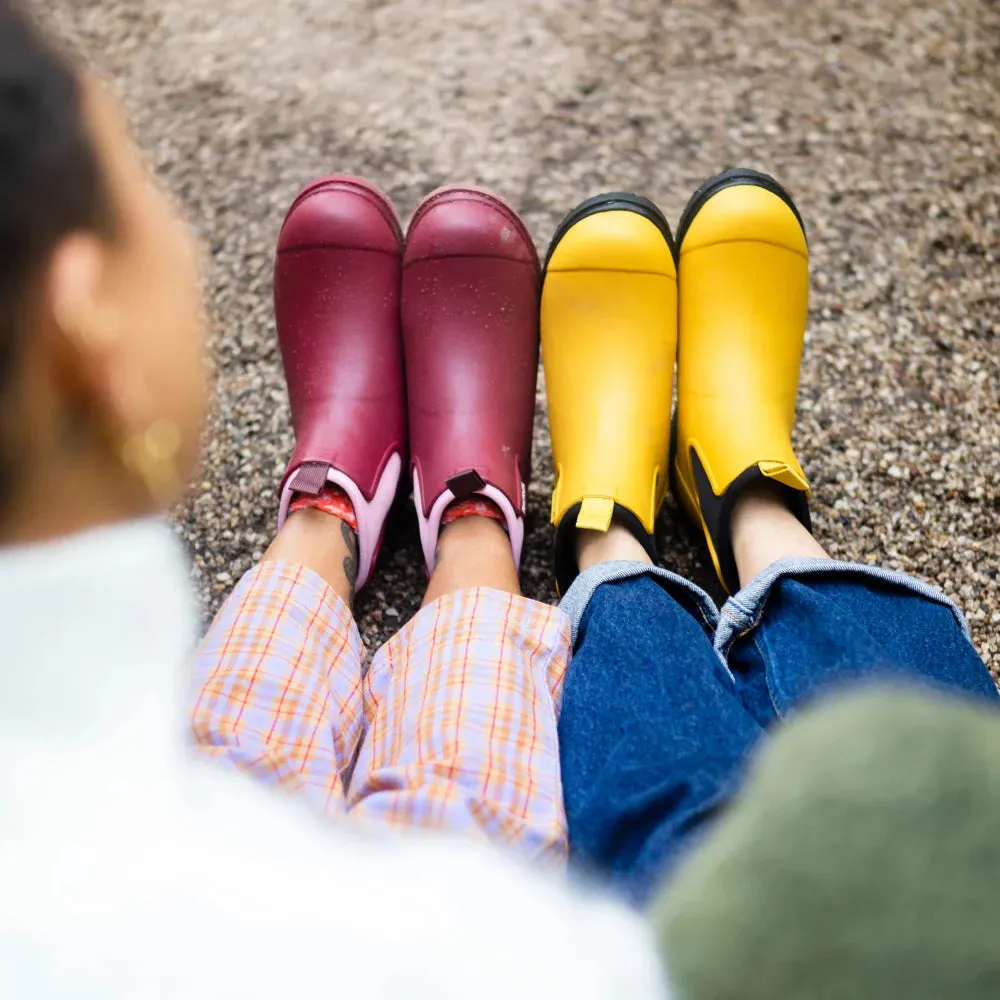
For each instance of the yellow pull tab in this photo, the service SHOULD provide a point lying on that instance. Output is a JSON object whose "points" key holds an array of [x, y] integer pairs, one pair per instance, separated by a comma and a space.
{"points": [[595, 513], [782, 473]]}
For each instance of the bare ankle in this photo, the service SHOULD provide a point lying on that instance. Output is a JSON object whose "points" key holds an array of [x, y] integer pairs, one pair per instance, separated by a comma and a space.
{"points": [[763, 530], [471, 534], [472, 552], [320, 542], [617, 543]]}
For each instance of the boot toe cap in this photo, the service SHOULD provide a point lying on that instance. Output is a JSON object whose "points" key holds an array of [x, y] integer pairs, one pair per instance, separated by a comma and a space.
{"points": [[340, 213], [617, 240], [466, 222], [745, 213]]}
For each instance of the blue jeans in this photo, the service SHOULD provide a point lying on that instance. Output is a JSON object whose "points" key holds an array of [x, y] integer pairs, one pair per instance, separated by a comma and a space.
{"points": [[667, 696]]}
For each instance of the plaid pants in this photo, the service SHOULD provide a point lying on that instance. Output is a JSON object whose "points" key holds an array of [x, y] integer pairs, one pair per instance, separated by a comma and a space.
{"points": [[452, 728]]}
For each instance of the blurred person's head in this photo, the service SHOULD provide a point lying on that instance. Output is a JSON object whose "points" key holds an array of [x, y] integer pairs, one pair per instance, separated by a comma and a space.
{"points": [[862, 862], [101, 383]]}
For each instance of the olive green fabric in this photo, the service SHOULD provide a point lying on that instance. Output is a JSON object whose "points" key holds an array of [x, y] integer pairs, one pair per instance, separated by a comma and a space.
{"points": [[863, 861]]}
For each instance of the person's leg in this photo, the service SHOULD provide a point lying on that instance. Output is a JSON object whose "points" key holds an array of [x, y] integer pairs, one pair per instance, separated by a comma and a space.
{"points": [[462, 704], [278, 675], [801, 622], [653, 734], [472, 552], [804, 624]]}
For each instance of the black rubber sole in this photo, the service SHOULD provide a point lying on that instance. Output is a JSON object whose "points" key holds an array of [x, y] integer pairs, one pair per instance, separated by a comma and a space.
{"points": [[613, 201], [731, 178]]}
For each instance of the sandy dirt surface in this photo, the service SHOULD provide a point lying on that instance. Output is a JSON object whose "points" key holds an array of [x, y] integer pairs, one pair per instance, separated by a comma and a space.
{"points": [[882, 119]]}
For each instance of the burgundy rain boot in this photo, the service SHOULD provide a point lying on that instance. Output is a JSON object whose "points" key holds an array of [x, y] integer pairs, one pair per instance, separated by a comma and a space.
{"points": [[470, 331], [336, 298]]}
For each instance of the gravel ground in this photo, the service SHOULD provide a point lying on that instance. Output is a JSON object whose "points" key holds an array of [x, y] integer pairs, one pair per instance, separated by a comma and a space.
{"points": [[880, 117]]}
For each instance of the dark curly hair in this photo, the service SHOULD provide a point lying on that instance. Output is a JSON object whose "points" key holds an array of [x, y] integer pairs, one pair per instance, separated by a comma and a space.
{"points": [[51, 182]]}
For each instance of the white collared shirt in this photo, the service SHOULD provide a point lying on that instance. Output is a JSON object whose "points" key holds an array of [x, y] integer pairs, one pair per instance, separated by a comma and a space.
{"points": [[128, 869]]}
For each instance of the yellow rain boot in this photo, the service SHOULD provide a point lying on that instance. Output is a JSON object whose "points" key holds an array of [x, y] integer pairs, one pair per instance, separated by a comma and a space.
{"points": [[743, 270], [609, 342]]}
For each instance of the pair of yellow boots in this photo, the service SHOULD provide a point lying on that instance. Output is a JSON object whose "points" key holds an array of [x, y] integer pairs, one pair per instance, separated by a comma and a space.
{"points": [[622, 306]]}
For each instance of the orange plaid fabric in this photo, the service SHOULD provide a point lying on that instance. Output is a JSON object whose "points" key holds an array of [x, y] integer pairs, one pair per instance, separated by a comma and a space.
{"points": [[453, 727], [278, 684], [461, 709]]}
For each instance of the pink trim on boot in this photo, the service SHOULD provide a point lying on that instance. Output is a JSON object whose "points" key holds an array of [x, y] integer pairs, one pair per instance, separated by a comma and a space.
{"points": [[371, 514], [430, 526]]}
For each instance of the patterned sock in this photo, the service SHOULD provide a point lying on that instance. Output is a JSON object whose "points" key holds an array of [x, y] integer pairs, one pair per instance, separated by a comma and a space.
{"points": [[475, 506], [331, 499]]}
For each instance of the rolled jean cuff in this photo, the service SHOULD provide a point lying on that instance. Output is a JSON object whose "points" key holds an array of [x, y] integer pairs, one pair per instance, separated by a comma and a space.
{"points": [[692, 597], [743, 611]]}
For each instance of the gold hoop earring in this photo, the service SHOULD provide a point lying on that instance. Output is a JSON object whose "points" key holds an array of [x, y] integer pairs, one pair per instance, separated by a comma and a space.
{"points": [[152, 456]]}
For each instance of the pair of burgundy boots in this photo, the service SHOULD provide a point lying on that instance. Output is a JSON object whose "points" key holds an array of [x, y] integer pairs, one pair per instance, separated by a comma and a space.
{"points": [[419, 352]]}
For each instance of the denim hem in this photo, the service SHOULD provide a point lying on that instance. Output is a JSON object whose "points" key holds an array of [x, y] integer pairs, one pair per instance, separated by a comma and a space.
{"points": [[743, 611], [575, 602]]}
